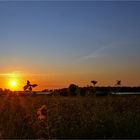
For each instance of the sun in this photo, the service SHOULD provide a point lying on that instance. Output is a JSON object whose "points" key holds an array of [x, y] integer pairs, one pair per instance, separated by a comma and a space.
{"points": [[13, 83]]}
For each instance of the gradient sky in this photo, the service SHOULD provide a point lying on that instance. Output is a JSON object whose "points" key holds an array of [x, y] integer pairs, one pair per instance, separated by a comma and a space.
{"points": [[57, 43]]}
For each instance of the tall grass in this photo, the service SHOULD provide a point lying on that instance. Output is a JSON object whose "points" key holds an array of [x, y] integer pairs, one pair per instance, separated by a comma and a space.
{"points": [[70, 117]]}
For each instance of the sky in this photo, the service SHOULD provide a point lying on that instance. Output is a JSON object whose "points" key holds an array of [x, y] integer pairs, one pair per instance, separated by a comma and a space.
{"points": [[55, 43]]}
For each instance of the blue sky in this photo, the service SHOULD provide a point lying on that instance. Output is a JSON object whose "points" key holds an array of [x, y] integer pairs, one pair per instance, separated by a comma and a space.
{"points": [[79, 41]]}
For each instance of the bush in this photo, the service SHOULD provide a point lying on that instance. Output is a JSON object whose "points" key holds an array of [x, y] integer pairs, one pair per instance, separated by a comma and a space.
{"points": [[73, 89], [83, 91]]}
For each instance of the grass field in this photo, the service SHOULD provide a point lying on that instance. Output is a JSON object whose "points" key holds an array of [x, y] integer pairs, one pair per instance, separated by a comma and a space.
{"points": [[70, 117]]}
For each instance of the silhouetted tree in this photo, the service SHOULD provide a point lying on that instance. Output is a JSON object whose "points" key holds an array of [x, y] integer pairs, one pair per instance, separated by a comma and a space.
{"points": [[94, 82], [28, 86], [73, 89], [118, 83]]}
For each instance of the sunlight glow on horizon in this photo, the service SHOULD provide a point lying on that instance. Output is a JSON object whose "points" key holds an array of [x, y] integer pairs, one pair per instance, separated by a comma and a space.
{"points": [[11, 80], [13, 83]]}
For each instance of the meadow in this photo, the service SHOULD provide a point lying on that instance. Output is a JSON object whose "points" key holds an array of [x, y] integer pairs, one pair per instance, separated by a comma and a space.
{"points": [[70, 117]]}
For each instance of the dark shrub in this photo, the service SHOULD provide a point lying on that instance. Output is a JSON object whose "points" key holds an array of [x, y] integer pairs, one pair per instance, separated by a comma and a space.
{"points": [[64, 92], [73, 89], [83, 91]]}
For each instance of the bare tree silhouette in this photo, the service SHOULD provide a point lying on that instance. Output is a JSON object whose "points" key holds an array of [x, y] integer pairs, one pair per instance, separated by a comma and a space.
{"points": [[28, 86]]}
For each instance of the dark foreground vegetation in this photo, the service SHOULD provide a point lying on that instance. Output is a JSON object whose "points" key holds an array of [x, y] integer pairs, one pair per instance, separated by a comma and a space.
{"points": [[70, 117]]}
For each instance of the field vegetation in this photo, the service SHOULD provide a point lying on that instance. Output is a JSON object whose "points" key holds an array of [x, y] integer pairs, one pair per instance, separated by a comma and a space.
{"points": [[70, 117]]}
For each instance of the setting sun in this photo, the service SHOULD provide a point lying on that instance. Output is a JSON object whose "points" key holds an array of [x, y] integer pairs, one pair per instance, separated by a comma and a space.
{"points": [[13, 83]]}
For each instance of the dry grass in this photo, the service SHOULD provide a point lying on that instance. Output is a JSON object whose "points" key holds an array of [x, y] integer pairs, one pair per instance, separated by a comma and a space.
{"points": [[70, 117]]}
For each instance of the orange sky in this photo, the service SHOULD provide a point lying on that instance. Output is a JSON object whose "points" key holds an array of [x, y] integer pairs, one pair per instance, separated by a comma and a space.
{"points": [[52, 80]]}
